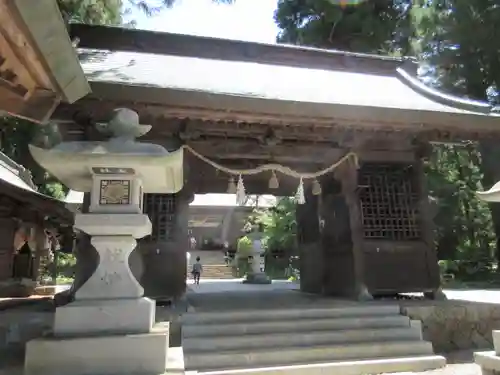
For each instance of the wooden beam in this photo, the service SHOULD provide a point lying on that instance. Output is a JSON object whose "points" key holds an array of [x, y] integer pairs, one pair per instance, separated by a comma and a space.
{"points": [[287, 152], [56, 59], [130, 40], [37, 107], [15, 44]]}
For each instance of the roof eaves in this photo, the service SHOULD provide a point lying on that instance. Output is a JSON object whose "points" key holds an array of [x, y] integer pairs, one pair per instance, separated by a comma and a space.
{"points": [[407, 74], [17, 169], [49, 36]]}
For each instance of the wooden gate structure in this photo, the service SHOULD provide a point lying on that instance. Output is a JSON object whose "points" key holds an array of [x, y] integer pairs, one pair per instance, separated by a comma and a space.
{"points": [[245, 104]]}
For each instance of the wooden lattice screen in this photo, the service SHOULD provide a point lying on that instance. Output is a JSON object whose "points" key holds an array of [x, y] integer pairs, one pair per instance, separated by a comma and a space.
{"points": [[389, 201], [161, 210]]}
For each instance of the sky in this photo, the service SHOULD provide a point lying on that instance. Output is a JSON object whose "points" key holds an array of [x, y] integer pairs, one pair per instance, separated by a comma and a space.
{"points": [[250, 20]]}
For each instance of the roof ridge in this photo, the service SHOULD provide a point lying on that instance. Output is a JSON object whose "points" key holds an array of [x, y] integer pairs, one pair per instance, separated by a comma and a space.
{"points": [[114, 38]]}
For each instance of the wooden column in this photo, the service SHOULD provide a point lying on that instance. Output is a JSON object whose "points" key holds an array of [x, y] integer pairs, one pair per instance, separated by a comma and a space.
{"points": [[427, 227], [309, 243], [7, 232], [161, 262], [347, 173]]}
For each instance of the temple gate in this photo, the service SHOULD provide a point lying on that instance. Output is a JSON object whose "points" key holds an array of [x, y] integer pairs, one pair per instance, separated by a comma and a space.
{"points": [[367, 229]]}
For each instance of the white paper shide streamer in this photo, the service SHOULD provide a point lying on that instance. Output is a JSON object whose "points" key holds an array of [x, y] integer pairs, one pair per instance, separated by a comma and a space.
{"points": [[239, 188]]}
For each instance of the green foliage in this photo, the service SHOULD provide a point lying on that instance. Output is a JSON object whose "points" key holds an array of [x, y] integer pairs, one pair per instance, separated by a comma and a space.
{"points": [[240, 267], [65, 260], [458, 40], [371, 26], [16, 134], [280, 225], [111, 12], [102, 12], [244, 248], [464, 230]]}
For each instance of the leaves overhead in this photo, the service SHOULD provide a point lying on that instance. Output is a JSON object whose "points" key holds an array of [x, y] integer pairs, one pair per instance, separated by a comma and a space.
{"points": [[380, 26]]}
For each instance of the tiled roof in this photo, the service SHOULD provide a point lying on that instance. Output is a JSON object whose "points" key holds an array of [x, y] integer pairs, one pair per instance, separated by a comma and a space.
{"points": [[15, 174], [267, 81]]}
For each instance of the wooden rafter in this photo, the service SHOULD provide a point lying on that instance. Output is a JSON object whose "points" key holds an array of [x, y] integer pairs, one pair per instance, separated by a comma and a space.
{"points": [[33, 77]]}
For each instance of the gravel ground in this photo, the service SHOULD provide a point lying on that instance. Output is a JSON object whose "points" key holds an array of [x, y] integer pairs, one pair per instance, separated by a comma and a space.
{"points": [[460, 364], [460, 369]]}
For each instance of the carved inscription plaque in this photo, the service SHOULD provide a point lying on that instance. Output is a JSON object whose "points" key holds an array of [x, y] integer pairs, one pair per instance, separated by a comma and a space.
{"points": [[115, 192]]}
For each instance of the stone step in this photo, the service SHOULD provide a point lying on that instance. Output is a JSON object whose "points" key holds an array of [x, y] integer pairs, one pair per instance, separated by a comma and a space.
{"points": [[364, 367], [217, 271], [488, 361], [222, 342], [293, 325], [278, 356], [217, 277], [257, 315]]}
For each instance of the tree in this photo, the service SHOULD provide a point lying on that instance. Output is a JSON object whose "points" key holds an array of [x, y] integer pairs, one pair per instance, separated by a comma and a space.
{"points": [[380, 26], [280, 225], [111, 12]]}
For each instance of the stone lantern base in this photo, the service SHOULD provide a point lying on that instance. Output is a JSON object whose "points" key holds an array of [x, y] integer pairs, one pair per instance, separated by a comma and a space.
{"points": [[110, 328], [142, 353], [490, 361]]}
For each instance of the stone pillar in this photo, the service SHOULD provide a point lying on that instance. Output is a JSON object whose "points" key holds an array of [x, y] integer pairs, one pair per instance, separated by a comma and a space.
{"points": [[256, 275], [309, 244], [347, 173]]}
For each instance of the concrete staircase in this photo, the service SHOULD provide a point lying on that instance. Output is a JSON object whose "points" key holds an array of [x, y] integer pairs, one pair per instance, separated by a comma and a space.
{"points": [[216, 271], [350, 340]]}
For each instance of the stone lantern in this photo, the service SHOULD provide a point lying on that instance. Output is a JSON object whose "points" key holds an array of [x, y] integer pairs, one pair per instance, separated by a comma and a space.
{"points": [[110, 327]]}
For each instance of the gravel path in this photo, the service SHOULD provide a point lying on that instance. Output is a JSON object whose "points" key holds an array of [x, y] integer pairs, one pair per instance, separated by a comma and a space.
{"points": [[458, 369]]}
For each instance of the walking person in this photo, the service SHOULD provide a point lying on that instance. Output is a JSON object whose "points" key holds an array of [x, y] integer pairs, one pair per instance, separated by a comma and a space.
{"points": [[197, 270]]}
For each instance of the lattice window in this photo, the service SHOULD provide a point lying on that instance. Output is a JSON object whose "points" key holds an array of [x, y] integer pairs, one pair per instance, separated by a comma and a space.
{"points": [[161, 211], [389, 201]]}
